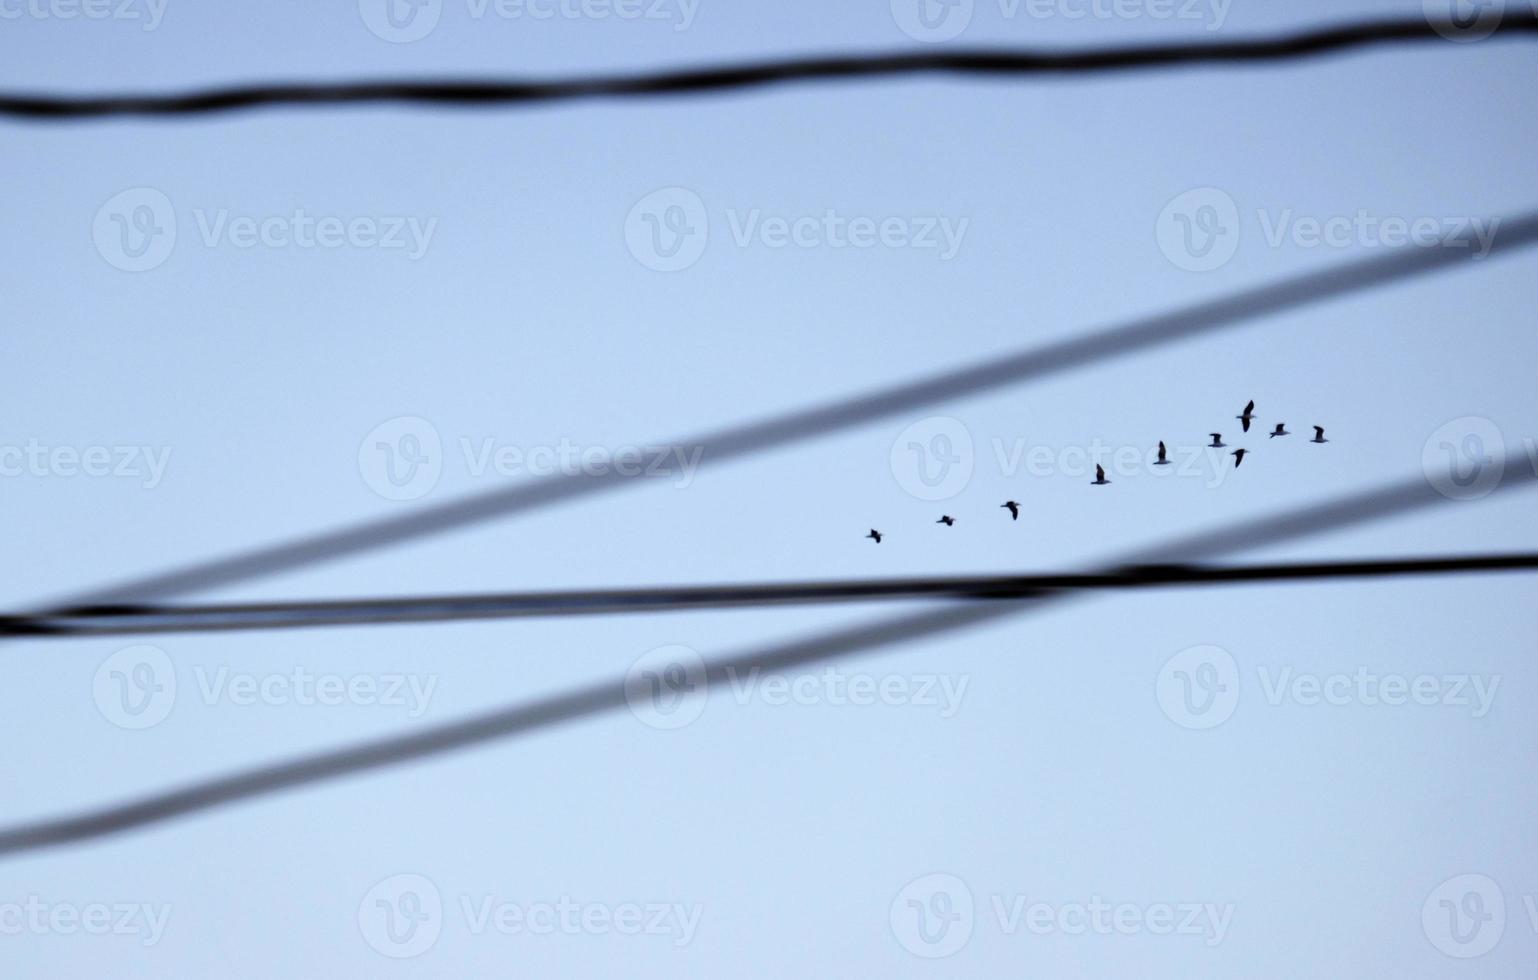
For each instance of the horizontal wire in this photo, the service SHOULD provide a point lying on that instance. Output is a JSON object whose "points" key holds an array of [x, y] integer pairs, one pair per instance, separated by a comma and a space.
{"points": [[126, 620], [483, 93], [234, 786]]}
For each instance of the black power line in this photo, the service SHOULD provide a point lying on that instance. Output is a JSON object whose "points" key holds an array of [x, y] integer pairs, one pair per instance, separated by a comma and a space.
{"points": [[482, 93], [123, 620], [153, 808]]}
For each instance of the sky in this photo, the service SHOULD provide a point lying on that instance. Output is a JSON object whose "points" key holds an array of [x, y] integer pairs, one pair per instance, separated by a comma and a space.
{"points": [[234, 330]]}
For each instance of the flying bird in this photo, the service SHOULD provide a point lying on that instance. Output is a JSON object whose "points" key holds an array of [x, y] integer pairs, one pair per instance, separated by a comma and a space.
{"points": [[1238, 455], [875, 535], [1100, 479], [1281, 430], [1163, 456], [946, 519], [1319, 434], [1248, 416], [1217, 440], [1014, 509]]}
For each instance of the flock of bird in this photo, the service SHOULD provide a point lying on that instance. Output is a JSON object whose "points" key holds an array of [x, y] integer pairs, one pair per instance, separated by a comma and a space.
{"points": [[1245, 418]]}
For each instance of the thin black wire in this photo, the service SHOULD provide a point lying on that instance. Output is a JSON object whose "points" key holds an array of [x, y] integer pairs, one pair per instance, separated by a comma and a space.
{"points": [[481, 93], [1144, 333], [154, 808], [129, 620]]}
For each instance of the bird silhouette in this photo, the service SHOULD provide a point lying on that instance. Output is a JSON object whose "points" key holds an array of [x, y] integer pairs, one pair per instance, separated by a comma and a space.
{"points": [[1014, 509], [874, 534], [1217, 441], [1319, 434], [1248, 416], [1100, 479], [1163, 459], [1281, 430], [946, 519], [1238, 455]]}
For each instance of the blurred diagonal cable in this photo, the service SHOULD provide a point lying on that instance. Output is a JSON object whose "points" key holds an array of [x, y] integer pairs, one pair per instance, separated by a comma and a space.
{"points": [[126, 620], [1362, 507], [1407, 262], [482, 93]]}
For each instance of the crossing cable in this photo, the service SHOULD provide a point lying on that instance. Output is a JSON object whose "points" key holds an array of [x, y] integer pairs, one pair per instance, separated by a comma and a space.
{"points": [[1202, 319], [1395, 500]]}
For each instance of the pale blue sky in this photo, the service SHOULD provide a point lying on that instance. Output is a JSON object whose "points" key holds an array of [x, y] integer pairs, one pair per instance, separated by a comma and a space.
{"points": [[791, 829]]}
